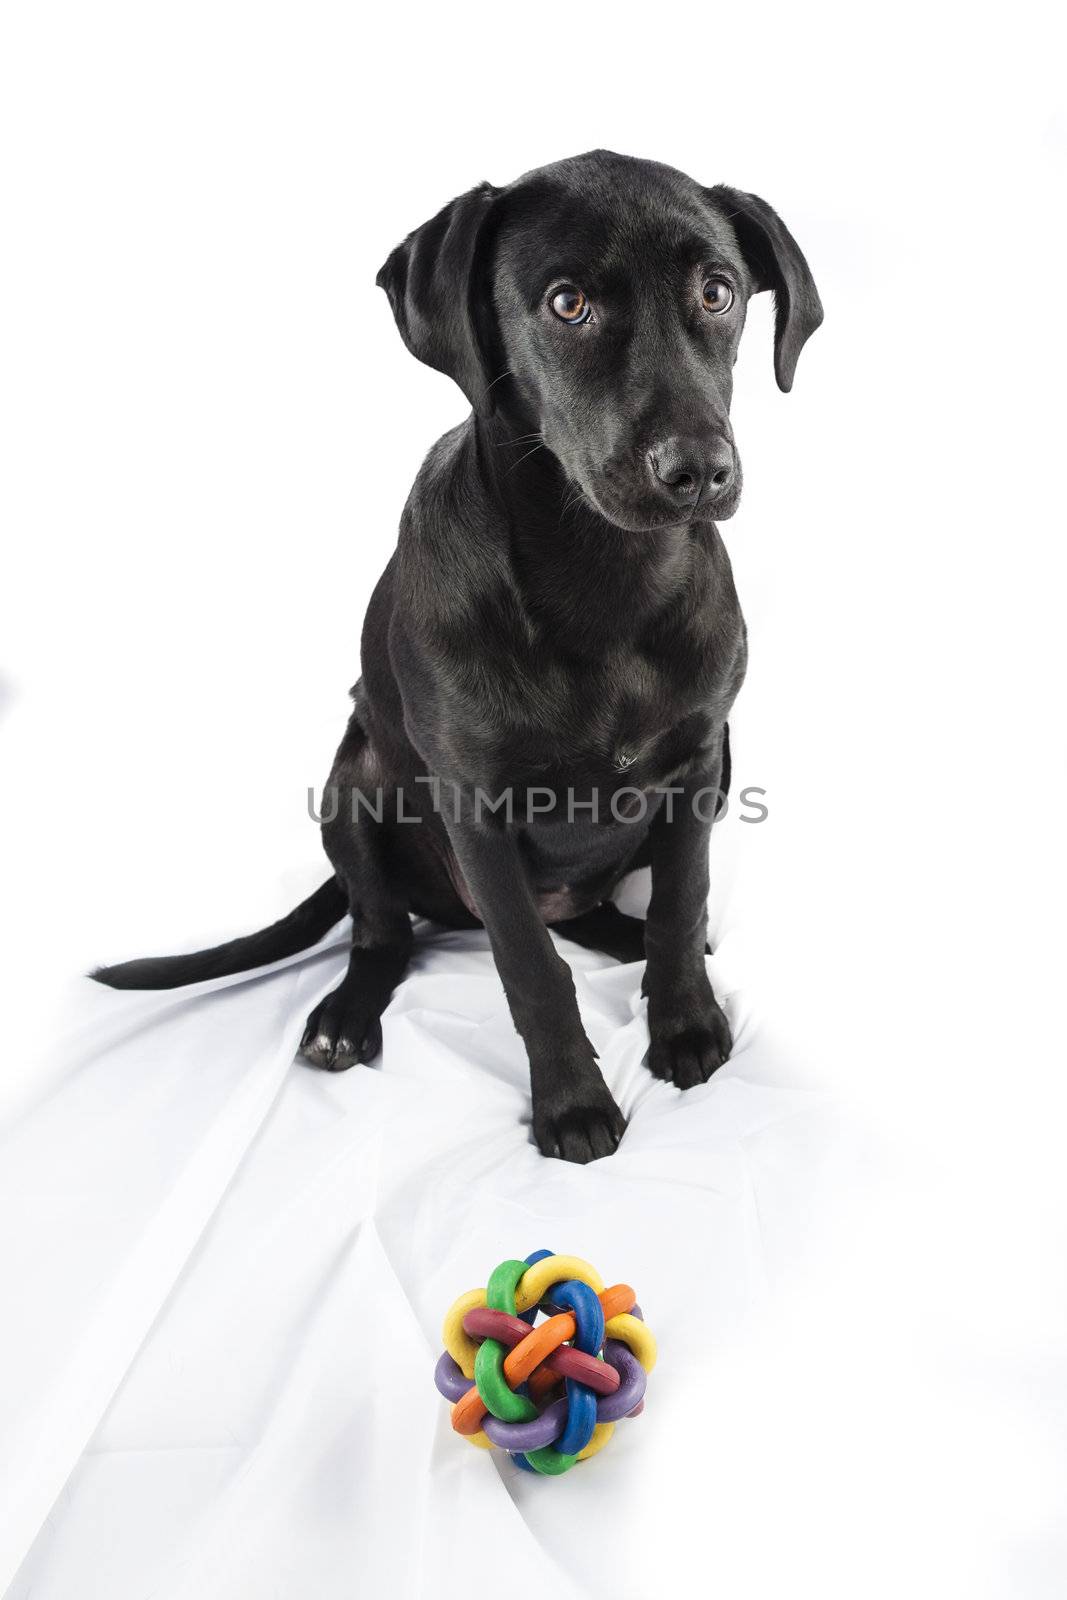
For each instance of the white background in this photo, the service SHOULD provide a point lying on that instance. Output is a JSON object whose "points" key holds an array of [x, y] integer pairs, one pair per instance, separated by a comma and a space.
{"points": [[209, 426]]}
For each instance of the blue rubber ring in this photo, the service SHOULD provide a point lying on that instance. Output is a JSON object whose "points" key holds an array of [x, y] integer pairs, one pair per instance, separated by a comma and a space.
{"points": [[589, 1336]]}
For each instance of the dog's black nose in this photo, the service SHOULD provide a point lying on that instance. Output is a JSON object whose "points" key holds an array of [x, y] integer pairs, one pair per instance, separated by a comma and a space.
{"points": [[686, 471]]}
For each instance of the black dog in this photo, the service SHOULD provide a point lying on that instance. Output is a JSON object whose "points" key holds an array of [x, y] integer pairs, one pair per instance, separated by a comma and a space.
{"points": [[550, 657]]}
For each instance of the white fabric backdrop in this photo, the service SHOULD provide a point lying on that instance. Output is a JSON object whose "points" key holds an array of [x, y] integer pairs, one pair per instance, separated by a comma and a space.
{"points": [[232, 1270]]}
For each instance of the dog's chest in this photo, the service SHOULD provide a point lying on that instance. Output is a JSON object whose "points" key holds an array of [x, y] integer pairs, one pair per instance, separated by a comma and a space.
{"points": [[629, 720]]}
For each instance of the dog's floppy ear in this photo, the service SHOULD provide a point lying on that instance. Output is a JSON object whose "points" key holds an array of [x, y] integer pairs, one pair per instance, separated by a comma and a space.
{"points": [[774, 259], [432, 281]]}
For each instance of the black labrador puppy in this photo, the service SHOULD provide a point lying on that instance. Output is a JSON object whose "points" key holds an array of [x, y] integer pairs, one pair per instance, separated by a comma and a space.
{"points": [[550, 656]]}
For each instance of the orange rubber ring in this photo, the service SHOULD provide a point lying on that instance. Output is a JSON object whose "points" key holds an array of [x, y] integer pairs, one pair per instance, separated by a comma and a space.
{"points": [[617, 1300], [469, 1413], [538, 1343]]}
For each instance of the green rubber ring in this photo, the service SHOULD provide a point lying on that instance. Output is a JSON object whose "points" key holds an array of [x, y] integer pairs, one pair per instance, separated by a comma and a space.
{"points": [[550, 1461], [497, 1396], [493, 1387], [500, 1290]]}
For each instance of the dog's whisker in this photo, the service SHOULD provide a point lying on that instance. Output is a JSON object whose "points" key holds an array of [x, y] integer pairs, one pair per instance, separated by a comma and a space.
{"points": [[571, 501], [499, 377], [523, 438], [527, 456]]}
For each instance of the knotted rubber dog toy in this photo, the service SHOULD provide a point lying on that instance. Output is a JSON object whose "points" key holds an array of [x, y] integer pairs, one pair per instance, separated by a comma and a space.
{"points": [[548, 1392]]}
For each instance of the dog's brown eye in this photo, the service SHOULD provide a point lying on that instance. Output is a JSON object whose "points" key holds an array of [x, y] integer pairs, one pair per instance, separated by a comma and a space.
{"points": [[718, 296], [570, 305]]}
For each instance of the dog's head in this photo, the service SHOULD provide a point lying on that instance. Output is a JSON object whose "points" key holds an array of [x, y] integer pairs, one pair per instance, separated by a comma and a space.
{"points": [[599, 304]]}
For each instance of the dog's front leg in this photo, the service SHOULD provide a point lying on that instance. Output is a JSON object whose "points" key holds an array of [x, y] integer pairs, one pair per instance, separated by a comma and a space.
{"points": [[574, 1115], [689, 1033]]}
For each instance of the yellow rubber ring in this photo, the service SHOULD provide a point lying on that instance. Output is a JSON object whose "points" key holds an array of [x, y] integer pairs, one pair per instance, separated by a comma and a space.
{"points": [[637, 1335], [483, 1441], [538, 1279], [460, 1346], [601, 1434]]}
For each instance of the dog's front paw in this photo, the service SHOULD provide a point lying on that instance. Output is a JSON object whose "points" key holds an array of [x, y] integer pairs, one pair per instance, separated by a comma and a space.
{"points": [[689, 1040], [577, 1121], [342, 1030]]}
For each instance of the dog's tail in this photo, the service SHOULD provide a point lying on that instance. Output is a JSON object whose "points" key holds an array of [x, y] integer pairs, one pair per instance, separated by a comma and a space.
{"points": [[302, 927]]}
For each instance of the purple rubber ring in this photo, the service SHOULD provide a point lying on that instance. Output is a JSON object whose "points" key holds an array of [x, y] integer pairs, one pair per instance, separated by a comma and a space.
{"points": [[532, 1435], [448, 1376], [631, 1390]]}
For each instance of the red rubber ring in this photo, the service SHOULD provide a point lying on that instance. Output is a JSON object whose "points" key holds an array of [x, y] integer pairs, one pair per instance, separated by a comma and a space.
{"points": [[481, 1323], [600, 1376]]}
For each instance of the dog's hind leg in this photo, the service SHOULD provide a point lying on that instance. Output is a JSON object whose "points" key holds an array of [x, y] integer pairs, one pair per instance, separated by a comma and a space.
{"points": [[345, 1028], [608, 929]]}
